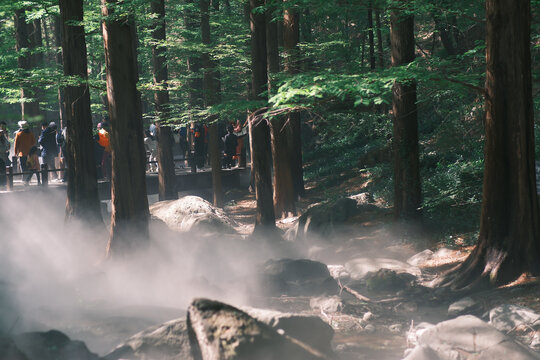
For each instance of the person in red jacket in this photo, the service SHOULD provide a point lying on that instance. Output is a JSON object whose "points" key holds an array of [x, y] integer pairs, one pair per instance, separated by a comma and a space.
{"points": [[24, 140]]}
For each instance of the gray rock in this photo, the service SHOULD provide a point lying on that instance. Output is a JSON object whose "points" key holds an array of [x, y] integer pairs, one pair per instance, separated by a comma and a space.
{"points": [[221, 332], [338, 272], [167, 341], [461, 307], [52, 345], [474, 338], [10, 351], [420, 258], [297, 277], [309, 329], [386, 279], [192, 213], [326, 304], [507, 317], [422, 353], [362, 198], [369, 328], [360, 267], [321, 219], [395, 328]]}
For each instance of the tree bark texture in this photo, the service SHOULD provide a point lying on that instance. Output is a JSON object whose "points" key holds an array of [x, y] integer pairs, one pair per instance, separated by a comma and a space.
{"points": [[509, 239], [25, 42], [166, 173], [407, 187], [380, 50], [129, 223], [291, 36], [82, 191], [192, 21], [371, 37], [259, 130], [211, 93], [58, 44]]}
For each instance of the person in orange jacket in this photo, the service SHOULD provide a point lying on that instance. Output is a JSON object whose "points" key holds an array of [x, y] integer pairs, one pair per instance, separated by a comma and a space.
{"points": [[24, 140]]}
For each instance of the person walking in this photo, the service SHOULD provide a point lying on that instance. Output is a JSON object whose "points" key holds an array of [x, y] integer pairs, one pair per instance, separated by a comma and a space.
{"points": [[49, 147], [32, 165], [150, 145], [104, 141], [230, 141], [24, 140]]}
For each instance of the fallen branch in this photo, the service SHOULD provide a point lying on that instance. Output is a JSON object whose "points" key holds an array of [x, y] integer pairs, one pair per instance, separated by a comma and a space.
{"points": [[356, 294]]}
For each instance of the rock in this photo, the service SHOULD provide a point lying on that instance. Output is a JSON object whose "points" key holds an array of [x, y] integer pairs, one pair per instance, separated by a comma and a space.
{"points": [[297, 277], [52, 345], [414, 333], [167, 341], [461, 307], [395, 328], [369, 328], [420, 258], [327, 305], [474, 338], [367, 316], [221, 332], [321, 219], [311, 330], [192, 213], [535, 342], [406, 307], [10, 351], [359, 267], [338, 272], [386, 279], [508, 317], [422, 353], [363, 198]]}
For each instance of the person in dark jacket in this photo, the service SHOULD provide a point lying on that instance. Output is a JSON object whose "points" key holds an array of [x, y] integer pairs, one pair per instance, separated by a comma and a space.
{"points": [[230, 141], [49, 147]]}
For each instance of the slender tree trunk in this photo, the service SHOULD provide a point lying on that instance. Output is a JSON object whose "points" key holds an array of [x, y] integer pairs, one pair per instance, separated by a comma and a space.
{"points": [[509, 239], [166, 173], [58, 44], [24, 40], [258, 130], [82, 193], [210, 86], [192, 21], [291, 37], [371, 38], [129, 223], [380, 50], [407, 188]]}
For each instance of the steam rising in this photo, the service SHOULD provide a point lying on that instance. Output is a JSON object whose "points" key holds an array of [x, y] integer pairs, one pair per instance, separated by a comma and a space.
{"points": [[54, 275]]}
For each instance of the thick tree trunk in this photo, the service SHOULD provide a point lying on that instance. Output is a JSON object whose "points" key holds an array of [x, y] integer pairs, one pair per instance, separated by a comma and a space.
{"points": [[25, 40], [407, 188], [509, 240], [211, 95], [195, 81], [82, 192], [129, 223], [166, 174], [371, 38], [291, 35], [259, 130], [380, 50]]}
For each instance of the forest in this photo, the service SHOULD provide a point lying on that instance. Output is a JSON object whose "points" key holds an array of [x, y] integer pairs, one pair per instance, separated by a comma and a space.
{"points": [[269, 179]]}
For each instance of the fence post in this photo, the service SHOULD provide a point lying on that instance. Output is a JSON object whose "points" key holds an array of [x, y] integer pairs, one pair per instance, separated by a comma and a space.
{"points": [[44, 174], [10, 178], [3, 175]]}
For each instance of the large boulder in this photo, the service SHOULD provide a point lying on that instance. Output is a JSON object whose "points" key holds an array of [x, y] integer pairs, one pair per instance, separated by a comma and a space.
{"points": [[508, 317], [358, 268], [192, 213], [297, 277], [309, 329], [221, 332], [468, 337], [52, 345], [168, 341]]}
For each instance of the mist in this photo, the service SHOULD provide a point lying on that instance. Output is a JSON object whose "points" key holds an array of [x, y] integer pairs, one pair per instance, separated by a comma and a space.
{"points": [[55, 275]]}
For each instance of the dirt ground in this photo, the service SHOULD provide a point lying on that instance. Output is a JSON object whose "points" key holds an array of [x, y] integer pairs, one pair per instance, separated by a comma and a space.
{"points": [[392, 313]]}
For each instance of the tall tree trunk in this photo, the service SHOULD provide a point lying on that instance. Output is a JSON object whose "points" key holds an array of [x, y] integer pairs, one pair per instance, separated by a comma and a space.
{"points": [[82, 192], [129, 223], [25, 40], [291, 35], [58, 58], [192, 21], [166, 173], [371, 38], [210, 86], [407, 188], [258, 130], [284, 199], [509, 239], [380, 50]]}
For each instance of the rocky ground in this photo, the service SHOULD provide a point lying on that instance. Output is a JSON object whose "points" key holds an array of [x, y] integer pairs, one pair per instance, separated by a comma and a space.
{"points": [[345, 284]]}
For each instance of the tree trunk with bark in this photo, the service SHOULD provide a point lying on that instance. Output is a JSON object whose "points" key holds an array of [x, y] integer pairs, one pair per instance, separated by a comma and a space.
{"points": [[82, 191], [130, 214], [195, 96], [165, 141], [211, 95], [58, 58], [259, 130], [509, 239], [371, 37], [380, 50], [407, 188], [291, 35]]}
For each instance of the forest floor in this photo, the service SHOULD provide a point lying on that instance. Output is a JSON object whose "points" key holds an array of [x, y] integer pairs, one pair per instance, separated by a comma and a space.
{"points": [[379, 327]]}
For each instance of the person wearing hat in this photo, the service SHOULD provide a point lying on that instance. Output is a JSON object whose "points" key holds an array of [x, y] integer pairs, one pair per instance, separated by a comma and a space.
{"points": [[24, 140], [47, 140]]}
